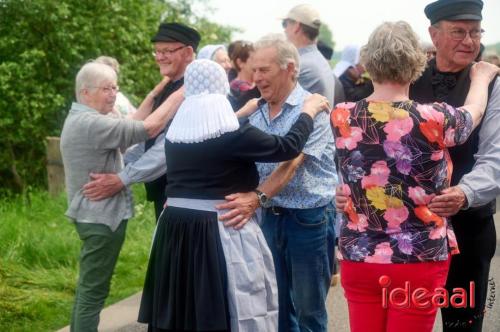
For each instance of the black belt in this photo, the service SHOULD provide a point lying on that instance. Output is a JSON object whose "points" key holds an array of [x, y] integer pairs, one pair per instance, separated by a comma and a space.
{"points": [[277, 210]]}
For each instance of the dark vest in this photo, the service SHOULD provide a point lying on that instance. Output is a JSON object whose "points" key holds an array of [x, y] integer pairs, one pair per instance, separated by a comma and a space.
{"points": [[156, 188], [452, 88]]}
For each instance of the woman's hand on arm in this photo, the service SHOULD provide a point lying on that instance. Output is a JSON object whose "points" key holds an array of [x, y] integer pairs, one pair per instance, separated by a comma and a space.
{"points": [[481, 74], [314, 104]]}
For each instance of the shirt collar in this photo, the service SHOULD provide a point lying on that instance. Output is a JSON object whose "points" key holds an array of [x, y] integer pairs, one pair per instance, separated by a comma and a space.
{"points": [[179, 82], [294, 98], [307, 49], [77, 107]]}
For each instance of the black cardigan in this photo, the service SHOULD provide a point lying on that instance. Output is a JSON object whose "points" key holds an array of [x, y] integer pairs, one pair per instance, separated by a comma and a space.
{"points": [[224, 165]]}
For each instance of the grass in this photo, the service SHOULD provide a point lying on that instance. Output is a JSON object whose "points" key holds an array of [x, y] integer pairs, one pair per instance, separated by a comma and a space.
{"points": [[39, 251]]}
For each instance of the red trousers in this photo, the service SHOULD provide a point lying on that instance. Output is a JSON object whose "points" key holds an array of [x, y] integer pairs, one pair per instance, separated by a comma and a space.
{"points": [[364, 292]]}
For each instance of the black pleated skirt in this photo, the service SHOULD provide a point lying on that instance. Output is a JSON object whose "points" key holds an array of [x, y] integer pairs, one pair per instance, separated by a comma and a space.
{"points": [[186, 280]]}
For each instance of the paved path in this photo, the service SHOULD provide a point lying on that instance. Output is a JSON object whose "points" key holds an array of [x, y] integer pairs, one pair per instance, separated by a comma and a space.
{"points": [[121, 317]]}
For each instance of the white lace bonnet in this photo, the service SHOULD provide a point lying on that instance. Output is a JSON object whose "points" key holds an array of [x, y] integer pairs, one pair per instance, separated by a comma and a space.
{"points": [[205, 113]]}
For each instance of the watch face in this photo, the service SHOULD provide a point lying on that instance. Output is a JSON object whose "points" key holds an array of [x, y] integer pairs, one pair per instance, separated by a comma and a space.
{"points": [[264, 200]]}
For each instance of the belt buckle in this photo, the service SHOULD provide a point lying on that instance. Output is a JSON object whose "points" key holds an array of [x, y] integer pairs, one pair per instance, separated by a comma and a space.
{"points": [[276, 210]]}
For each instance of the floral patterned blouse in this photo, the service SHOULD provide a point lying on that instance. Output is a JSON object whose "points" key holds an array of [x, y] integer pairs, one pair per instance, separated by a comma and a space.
{"points": [[393, 159]]}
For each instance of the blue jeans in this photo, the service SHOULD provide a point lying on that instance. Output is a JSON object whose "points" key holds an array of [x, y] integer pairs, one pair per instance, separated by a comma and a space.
{"points": [[302, 242]]}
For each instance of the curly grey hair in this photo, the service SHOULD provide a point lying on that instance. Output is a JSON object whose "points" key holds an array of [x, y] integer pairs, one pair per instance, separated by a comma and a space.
{"points": [[393, 54]]}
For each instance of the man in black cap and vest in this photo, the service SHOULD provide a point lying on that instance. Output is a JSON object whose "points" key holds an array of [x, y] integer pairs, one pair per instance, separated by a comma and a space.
{"points": [[456, 32], [174, 48]]}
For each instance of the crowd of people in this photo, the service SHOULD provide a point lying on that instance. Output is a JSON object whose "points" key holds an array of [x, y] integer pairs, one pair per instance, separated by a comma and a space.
{"points": [[261, 159]]}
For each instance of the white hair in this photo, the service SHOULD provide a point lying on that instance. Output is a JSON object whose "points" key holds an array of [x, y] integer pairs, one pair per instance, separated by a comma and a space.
{"points": [[110, 61], [287, 52], [91, 75]]}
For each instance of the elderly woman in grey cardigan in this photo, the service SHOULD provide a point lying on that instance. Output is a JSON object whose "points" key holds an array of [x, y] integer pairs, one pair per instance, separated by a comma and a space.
{"points": [[90, 143]]}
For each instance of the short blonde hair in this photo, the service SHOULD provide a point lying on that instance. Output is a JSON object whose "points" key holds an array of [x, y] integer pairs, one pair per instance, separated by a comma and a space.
{"points": [[393, 54]]}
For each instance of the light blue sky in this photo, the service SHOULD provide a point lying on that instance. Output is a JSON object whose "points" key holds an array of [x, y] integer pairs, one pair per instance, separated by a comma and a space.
{"points": [[351, 21]]}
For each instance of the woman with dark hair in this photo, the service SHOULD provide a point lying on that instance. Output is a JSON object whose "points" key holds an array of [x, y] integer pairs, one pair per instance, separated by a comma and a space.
{"points": [[242, 87]]}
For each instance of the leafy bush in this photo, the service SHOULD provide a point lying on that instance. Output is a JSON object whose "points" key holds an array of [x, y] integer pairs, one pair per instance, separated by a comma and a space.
{"points": [[43, 43]]}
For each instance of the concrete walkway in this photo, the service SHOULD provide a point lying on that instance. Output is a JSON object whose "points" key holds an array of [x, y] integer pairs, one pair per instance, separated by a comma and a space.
{"points": [[122, 316]]}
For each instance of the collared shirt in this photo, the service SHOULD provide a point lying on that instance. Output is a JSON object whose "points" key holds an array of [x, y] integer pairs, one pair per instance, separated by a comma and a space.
{"points": [[482, 184], [313, 184], [315, 73], [91, 143], [144, 166]]}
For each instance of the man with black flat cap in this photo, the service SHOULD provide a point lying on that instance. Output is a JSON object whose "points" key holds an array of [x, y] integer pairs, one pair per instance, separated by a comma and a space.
{"points": [[174, 48], [456, 32]]}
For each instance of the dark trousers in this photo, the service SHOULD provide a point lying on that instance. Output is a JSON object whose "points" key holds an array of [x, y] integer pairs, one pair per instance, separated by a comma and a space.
{"points": [[477, 243]]}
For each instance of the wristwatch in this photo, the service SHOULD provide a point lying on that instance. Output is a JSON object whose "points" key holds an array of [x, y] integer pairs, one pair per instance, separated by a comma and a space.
{"points": [[263, 199]]}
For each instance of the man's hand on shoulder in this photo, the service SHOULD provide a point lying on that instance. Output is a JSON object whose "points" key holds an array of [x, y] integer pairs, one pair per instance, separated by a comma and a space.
{"points": [[241, 208], [449, 202], [102, 186]]}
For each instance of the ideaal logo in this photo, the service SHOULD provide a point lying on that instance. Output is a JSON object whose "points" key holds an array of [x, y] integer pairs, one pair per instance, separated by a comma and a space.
{"points": [[425, 298], [468, 323]]}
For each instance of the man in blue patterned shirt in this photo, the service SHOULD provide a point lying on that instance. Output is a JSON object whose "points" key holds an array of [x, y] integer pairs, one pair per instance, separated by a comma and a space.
{"points": [[295, 196]]}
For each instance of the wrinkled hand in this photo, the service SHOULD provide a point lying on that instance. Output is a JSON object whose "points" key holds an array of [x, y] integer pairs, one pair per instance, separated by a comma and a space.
{"points": [[340, 199], [449, 202], [315, 103], [102, 186], [484, 70], [242, 206]]}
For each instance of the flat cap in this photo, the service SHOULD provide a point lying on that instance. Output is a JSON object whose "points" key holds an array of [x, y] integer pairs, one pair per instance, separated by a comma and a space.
{"points": [[454, 10], [177, 32]]}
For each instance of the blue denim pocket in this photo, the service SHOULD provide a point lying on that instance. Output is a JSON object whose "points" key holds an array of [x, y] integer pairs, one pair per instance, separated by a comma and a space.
{"points": [[314, 217]]}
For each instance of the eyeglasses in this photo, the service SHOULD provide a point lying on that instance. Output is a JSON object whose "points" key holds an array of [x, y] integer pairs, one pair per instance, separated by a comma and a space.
{"points": [[166, 52], [461, 34], [285, 22], [108, 89]]}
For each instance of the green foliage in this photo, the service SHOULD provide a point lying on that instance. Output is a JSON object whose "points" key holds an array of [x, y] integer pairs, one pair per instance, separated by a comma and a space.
{"points": [[326, 36], [39, 251], [212, 33], [43, 43]]}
